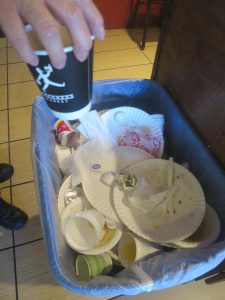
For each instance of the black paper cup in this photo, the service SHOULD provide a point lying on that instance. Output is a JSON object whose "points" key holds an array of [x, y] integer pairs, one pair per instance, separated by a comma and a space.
{"points": [[68, 91]]}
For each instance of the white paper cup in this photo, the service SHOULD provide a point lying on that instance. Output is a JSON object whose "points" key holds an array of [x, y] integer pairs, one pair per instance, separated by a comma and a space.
{"points": [[131, 249], [84, 230]]}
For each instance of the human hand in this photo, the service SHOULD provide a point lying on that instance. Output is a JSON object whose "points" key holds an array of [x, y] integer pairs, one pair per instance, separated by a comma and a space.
{"points": [[81, 17]]}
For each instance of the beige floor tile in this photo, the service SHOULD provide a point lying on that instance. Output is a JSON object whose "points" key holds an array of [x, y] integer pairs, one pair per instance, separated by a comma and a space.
{"points": [[9, 44], [152, 35], [19, 72], [21, 160], [4, 126], [7, 281], [6, 239], [196, 290], [3, 74], [20, 123], [3, 42], [119, 31], [114, 42], [4, 158], [118, 59], [23, 196], [141, 72], [3, 97], [22, 94], [150, 52], [13, 57], [3, 56], [35, 280]]}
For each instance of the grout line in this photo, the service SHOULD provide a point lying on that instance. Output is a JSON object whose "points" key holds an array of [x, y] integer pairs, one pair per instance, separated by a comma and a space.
{"points": [[25, 138], [130, 66], [17, 184], [27, 243], [17, 62], [23, 106], [22, 244], [12, 83], [116, 297], [10, 188], [14, 261], [116, 50], [11, 198], [5, 249], [147, 56], [9, 142], [113, 50]]}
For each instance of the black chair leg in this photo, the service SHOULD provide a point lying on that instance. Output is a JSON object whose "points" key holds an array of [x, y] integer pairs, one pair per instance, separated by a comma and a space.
{"points": [[1, 33], [145, 29], [134, 15]]}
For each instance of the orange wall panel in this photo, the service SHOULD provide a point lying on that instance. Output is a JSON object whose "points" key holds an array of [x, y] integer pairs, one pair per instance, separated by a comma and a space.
{"points": [[117, 13]]}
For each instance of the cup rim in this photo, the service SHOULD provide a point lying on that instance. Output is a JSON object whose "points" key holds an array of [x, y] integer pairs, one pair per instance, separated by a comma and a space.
{"points": [[29, 28], [73, 244], [95, 217], [124, 261], [72, 115], [83, 257]]}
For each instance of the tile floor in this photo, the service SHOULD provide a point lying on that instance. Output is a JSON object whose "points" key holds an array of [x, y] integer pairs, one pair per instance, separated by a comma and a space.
{"points": [[24, 270]]}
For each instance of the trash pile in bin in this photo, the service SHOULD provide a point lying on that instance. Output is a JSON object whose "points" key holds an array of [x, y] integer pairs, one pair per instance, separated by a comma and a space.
{"points": [[120, 201]]}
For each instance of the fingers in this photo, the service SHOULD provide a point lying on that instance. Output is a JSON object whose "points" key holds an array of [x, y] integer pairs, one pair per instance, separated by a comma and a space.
{"points": [[47, 30], [81, 18], [13, 27], [73, 18], [93, 18]]}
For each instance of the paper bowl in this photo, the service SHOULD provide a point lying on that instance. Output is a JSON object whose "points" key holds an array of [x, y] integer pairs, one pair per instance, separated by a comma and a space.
{"points": [[111, 238]]}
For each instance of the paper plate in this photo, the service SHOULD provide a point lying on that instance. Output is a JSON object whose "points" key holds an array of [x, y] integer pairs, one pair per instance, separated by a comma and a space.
{"points": [[207, 232], [119, 119], [63, 155], [97, 193], [158, 225], [67, 184]]}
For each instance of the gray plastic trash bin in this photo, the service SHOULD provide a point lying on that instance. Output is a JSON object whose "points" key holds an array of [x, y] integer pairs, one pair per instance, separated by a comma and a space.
{"points": [[158, 272]]}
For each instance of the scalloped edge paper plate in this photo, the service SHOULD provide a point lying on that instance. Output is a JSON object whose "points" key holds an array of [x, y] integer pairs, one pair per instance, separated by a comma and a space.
{"points": [[159, 226], [125, 116], [99, 194]]}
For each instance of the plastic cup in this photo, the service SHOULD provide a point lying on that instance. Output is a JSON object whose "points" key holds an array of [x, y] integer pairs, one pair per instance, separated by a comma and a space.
{"points": [[67, 91], [90, 266], [131, 249], [84, 230]]}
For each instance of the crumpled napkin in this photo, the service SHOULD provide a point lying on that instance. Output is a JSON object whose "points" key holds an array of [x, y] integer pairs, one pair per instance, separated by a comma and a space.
{"points": [[93, 128]]}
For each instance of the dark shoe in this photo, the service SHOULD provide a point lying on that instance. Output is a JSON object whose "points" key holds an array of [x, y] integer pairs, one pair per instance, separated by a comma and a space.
{"points": [[11, 217], [6, 172]]}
